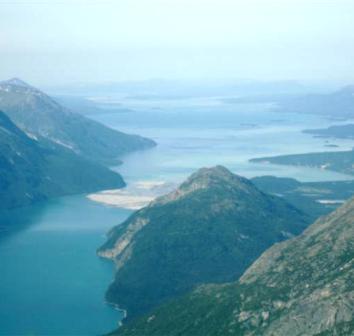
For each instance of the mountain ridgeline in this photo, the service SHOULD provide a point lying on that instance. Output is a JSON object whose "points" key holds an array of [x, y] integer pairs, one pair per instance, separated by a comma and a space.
{"points": [[48, 151], [338, 104], [303, 286], [209, 230], [36, 113], [34, 169]]}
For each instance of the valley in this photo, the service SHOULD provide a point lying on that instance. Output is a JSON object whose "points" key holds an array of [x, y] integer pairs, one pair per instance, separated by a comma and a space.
{"points": [[176, 168], [185, 143]]}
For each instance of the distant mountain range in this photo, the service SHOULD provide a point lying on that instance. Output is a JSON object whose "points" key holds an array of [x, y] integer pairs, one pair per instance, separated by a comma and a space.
{"points": [[339, 104], [38, 114], [209, 230], [303, 286], [33, 169], [179, 89]]}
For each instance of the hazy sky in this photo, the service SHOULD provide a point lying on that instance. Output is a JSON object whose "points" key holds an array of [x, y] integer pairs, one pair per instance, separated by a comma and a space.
{"points": [[68, 41]]}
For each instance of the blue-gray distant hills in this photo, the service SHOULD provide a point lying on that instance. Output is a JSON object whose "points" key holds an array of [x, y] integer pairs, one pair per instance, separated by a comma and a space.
{"points": [[38, 114], [209, 230], [338, 104]]}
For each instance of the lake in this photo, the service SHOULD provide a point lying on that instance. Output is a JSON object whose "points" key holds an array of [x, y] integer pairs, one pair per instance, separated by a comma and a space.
{"points": [[52, 282]]}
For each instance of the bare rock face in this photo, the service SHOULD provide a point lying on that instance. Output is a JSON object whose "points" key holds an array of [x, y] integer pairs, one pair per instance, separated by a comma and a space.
{"points": [[117, 250], [316, 271], [208, 230], [303, 286]]}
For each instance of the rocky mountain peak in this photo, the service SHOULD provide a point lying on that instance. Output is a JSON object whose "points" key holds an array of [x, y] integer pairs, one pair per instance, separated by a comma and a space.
{"points": [[207, 178], [16, 81], [210, 229], [216, 175]]}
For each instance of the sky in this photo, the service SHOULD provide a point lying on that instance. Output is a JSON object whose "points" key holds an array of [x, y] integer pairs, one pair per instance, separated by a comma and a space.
{"points": [[78, 41]]}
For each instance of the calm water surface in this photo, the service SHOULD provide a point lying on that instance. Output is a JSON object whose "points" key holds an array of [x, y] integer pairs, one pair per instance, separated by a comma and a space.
{"points": [[52, 282]]}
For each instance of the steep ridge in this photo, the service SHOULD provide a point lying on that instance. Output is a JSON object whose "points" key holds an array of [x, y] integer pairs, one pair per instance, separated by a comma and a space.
{"points": [[36, 113], [303, 286], [33, 169], [209, 230]]}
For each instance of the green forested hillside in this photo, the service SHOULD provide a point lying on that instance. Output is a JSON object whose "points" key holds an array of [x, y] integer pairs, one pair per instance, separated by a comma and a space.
{"points": [[35, 169], [303, 286], [209, 230]]}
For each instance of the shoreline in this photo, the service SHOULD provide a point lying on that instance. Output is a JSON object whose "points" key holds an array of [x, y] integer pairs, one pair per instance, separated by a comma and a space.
{"points": [[116, 307], [133, 197], [116, 199]]}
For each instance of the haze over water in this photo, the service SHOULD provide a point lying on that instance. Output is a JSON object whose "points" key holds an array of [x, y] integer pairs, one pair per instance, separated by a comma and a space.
{"points": [[198, 132]]}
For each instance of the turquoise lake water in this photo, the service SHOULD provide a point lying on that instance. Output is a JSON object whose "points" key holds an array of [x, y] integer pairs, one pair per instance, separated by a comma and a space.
{"points": [[52, 282]]}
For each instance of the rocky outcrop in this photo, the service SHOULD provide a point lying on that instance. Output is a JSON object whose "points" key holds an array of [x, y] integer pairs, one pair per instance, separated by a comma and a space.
{"points": [[119, 246]]}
